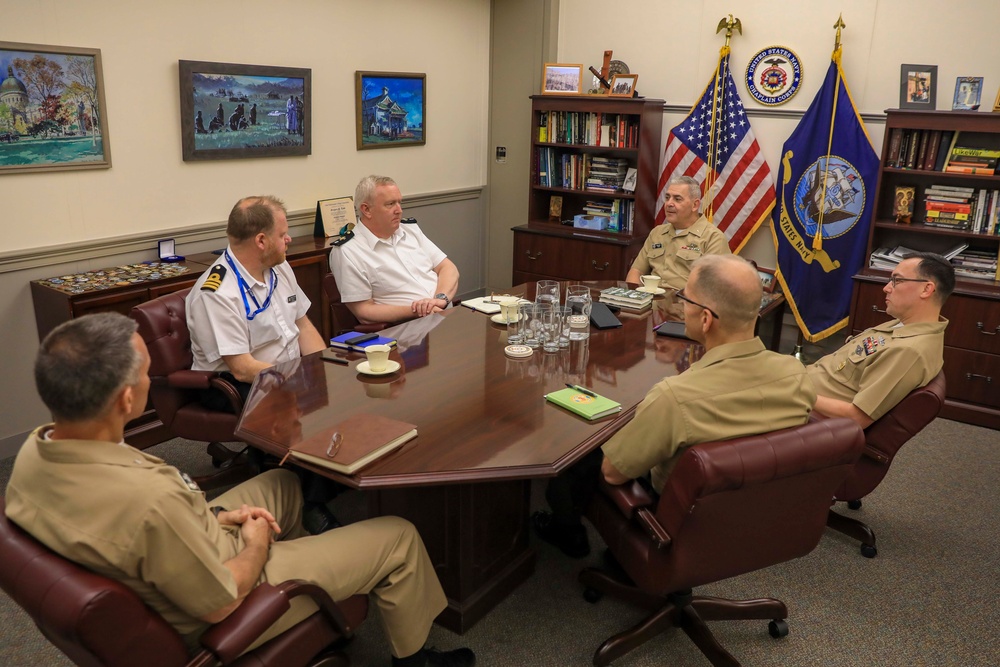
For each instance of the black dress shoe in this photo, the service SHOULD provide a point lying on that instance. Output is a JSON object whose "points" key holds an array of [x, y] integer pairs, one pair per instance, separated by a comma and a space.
{"points": [[318, 519], [570, 538], [430, 657]]}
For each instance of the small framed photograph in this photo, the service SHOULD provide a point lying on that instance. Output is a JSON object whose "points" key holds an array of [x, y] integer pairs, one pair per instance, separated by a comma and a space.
{"points": [[562, 79], [234, 111], [918, 87], [623, 85], [767, 280], [968, 91], [391, 109], [905, 195]]}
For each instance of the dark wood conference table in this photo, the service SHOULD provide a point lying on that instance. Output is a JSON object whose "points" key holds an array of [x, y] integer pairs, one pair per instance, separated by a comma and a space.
{"points": [[484, 431]]}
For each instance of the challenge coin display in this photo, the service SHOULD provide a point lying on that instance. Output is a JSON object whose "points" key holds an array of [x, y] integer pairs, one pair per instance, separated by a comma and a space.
{"points": [[115, 276]]}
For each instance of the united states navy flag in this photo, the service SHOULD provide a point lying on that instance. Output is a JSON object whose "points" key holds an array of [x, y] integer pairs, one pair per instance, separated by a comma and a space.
{"points": [[825, 196]]}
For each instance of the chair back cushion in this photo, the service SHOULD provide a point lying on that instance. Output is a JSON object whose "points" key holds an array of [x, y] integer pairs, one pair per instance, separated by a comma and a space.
{"points": [[92, 619], [343, 318], [889, 433], [163, 327], [736, 506]]}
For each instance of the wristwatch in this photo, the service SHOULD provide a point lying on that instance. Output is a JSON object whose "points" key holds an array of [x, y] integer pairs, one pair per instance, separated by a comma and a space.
{"points": [[442, 295]]}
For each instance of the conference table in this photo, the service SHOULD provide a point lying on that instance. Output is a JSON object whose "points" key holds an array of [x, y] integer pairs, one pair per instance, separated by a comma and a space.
{"points": [[484, 429]]}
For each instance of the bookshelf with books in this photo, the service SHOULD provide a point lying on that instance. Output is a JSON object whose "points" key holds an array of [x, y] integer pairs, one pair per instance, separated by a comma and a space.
{"points": [[598, 156], [949, 159]]}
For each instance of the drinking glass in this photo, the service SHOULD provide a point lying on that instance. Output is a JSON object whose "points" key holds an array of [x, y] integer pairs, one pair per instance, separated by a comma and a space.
{"points": [[579, 300], [516, 325], [551, 322], [533, 324], [564, 325], [547, 291]]}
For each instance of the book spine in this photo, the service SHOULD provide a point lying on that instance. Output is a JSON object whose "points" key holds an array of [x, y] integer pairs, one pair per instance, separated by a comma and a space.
{"points": [[932, 150], [895, 140], [922, 153], [942, 153]]}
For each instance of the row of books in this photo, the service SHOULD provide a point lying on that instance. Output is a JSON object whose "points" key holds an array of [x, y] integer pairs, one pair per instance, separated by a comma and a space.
{"points": [[619, 212], [576, 171], [887, 258], [974, 210], [630, 299], [588, 128], [980, 264], [938, 150]]}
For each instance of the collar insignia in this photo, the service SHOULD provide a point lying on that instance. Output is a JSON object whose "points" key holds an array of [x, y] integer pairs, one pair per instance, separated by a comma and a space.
{"points": [[191, 484]]}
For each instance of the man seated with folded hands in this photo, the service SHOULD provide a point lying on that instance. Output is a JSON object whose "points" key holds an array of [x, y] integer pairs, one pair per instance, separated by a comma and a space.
{"points": [[737, 388]]}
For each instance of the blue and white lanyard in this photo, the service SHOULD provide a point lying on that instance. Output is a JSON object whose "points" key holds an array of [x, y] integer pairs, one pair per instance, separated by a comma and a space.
{"points": [[245, 289]]}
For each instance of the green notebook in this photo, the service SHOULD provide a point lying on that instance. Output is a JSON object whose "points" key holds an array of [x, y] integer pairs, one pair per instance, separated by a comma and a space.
{"points": [[591, 407]]}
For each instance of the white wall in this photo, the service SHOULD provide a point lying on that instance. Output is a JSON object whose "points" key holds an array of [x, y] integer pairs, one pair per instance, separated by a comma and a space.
{"points": [[673, 47], [149, 187], [115, 215]]}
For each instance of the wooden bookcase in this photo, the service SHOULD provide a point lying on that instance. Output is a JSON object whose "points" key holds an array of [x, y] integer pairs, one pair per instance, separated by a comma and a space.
{"points": [[972, 340], [547, 249]]}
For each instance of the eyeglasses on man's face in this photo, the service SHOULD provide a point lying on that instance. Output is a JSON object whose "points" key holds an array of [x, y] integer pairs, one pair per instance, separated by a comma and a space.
{"points": [[895, 280], [680, 295]]}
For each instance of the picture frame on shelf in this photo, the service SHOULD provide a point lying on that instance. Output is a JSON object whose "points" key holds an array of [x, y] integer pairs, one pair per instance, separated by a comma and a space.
{"points": [[562, 79], [918, 87], [236, 111], [996, 102], [390, 109], [54, 115], [767, 280], [623, 85], [968, 92]]}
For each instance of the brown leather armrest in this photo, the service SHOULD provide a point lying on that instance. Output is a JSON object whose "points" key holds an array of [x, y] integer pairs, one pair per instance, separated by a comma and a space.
{"points": [[191, 379], [628, 497], [657, 533], [235, 633], [875, 454]]}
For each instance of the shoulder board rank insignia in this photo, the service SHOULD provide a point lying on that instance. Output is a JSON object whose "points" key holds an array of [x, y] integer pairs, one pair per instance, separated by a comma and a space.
{"points": [[408, 221], [214, 280], [346, 234]]}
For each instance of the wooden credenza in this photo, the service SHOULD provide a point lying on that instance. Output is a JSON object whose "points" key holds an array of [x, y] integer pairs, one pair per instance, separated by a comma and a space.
{"points": [[53, 306]]}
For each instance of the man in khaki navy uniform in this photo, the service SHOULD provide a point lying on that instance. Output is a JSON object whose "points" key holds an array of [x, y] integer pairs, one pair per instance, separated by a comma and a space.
{"points": [[672, 248], [80, 490], [876, 369], [386, 272], [247, 313], [736, 388]]}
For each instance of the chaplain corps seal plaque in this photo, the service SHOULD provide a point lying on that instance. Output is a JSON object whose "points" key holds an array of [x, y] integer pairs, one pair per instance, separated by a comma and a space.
{"points": [[774, 75]]}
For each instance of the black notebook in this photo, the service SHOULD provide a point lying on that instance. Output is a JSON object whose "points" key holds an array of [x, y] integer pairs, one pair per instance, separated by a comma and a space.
{"points": [[602, 317]]}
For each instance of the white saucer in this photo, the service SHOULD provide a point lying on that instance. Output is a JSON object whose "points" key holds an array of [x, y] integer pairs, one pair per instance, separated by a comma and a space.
{"points": [[500, 319], [655, 290], [391, 367]]}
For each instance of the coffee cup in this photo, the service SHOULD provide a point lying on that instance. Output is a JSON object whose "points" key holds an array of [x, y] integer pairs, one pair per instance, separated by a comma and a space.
{"points": [[650, 282], [378, 357], [508, 307]]}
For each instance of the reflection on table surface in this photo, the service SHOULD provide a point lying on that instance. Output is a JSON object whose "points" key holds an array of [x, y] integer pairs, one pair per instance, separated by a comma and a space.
{"points": [[480, 415]]}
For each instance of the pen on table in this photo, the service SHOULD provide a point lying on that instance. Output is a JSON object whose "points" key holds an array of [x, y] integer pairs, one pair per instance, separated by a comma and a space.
{"points": [[582, 390], [336, 360]]}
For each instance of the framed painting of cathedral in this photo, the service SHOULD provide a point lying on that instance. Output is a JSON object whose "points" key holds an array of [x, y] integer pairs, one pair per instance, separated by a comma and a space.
{"points": [[391, 109], [231, 111], [52, 110]]}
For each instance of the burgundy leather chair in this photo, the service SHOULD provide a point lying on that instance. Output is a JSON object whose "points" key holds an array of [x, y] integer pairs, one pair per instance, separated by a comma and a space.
{"points": [[99, 622], [343, 319], [728, 508], [175, 388], [883, 438]]}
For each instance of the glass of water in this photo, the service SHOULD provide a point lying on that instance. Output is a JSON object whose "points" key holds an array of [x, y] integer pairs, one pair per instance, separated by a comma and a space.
{"points": [[578, 299]]}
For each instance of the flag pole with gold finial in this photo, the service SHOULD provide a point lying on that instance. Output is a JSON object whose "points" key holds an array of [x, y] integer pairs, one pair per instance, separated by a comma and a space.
{"points": [[817, 243], [729, 24]]}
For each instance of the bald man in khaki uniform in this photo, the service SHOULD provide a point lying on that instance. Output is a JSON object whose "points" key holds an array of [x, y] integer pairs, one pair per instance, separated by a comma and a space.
{"points": [[737, 388], [672, 248], [81, 491], [876, 369]]}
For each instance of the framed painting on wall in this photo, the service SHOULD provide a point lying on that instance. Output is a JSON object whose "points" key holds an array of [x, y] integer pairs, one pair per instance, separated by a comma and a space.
{"points": [[231, 111], [52, 110], [390, 109]]}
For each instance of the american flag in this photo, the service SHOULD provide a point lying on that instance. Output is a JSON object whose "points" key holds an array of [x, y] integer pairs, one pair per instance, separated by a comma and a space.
{"points": [[741, 188]]}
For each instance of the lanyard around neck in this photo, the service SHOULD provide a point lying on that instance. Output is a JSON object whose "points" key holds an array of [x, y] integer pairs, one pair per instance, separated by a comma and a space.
{"points": [[245, 290]]}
